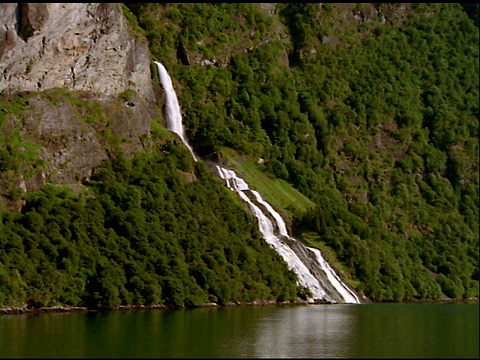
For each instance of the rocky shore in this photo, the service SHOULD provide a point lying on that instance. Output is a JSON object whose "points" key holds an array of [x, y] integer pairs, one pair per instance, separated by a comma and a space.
{"points": [[25, 309]]}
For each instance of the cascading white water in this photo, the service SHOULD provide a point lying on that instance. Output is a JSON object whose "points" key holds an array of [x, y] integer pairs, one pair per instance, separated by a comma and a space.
{"points": [[174, 116], [308, 263], [339, 293], [267, 229], [348, 295]]}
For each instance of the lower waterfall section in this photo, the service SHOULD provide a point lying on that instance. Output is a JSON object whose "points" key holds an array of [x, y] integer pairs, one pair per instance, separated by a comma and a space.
{"points": [[308, 263]]}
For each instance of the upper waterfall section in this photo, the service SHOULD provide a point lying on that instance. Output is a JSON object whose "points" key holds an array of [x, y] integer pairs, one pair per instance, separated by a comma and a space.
{"points": [[174, 116]]}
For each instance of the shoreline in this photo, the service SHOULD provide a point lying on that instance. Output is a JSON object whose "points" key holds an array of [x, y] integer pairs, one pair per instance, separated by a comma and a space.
{"points": [[19, 310], [14, 310]]}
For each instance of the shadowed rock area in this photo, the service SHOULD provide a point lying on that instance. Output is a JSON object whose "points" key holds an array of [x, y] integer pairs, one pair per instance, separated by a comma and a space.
{"points": [[89, 50], [73, 46]]}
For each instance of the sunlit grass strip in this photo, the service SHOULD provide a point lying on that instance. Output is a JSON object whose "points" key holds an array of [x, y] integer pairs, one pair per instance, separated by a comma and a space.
{"points": [[283, 197]]}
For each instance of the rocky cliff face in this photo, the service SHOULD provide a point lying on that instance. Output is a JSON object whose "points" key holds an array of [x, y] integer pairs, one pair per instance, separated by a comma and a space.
{"points": [[90, 51], [75, 46]]}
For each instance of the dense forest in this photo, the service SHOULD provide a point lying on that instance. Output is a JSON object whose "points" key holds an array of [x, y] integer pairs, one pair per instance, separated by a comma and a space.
{"points": [[369, 110]]}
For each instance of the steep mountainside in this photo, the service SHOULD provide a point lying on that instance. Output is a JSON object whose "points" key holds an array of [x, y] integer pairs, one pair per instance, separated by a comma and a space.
{"points": [[83, 77], [369, 112]]}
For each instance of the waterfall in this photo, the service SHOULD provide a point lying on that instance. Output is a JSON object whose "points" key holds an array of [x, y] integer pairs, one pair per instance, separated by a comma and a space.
{"points": [[308, 263], [174, 116]]}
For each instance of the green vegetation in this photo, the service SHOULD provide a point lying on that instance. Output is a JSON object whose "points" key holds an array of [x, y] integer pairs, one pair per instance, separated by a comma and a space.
{"points": [[370, 111], [139, 234], [18, 157], [365, 117], [138, 32]]}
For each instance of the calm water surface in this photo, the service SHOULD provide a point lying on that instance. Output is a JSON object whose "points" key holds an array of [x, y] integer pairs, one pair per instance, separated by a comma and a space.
{"points": [[319, 331]]}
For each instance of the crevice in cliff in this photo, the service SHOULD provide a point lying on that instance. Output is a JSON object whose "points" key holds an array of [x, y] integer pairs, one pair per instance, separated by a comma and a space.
{"points": [[72, 70], [24, 27]]}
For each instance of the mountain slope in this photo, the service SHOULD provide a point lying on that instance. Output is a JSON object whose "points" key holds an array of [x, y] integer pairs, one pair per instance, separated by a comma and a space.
{"points": [[368, 110]]}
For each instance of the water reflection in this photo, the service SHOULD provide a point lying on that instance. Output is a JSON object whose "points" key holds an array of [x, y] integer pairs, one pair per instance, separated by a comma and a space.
{"points": [[310, 331], [323, 331], [417, 330]]}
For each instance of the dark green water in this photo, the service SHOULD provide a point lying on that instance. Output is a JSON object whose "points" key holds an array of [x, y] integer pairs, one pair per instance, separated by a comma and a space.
{"points": [[320, 331]]}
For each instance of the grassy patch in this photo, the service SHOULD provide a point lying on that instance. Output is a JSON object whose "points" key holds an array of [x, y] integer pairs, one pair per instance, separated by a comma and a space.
{"points": [[132, 19], [280, 194]]}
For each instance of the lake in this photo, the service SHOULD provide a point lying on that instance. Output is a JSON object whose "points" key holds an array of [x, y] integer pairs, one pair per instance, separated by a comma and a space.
{"points": [[420, 330]]}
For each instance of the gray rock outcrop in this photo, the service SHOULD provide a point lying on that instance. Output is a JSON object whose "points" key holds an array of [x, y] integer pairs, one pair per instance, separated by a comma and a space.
{"points": [[75, 46], [91, 51]]}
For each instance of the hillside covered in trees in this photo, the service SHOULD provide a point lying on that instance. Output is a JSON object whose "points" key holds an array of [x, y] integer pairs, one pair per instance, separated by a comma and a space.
{"points": [[368, 110]]}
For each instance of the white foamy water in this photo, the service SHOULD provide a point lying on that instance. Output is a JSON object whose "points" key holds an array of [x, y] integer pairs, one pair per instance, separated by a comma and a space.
{"points": [[276, 233], [174, 116]]}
